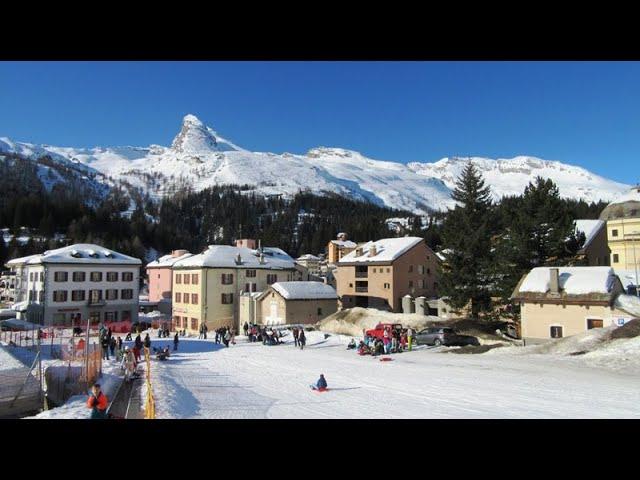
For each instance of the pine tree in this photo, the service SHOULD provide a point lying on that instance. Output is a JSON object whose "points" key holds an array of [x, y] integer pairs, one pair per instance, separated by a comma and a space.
{"points": [[466, 236]]}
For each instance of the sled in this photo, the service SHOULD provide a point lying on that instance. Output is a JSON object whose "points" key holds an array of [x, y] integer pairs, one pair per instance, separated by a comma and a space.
{"points": [[386, 359], [319, 390]]}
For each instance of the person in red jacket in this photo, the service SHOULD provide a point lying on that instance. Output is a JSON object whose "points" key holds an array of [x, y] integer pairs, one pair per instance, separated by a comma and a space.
{"points": [[97, 402]]}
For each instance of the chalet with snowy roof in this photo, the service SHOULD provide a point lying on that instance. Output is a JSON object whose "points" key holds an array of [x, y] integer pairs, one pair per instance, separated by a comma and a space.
{"points": [[295, 303], [379, 273], [207, 287], [595, 249], [310, 262], [76, 283], [559, 302]]}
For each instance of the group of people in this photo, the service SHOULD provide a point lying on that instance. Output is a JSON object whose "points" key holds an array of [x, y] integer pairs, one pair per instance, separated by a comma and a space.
{"points": [[203, 331], [392, 341], [108, 343], [163, 332], [299, 338], [225, 335]]}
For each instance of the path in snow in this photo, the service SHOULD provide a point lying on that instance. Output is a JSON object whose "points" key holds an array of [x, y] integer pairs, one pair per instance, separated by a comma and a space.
{"points": [[250, 380]]}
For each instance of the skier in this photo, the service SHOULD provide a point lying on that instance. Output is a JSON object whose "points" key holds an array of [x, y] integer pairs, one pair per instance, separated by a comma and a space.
{"points": [[302, 339], [175, 342], [97, 402], [321, 384]]}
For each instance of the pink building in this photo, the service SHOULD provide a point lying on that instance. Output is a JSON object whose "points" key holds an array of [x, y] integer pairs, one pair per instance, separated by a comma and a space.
{"points": [[160, 275], [246, 243]]}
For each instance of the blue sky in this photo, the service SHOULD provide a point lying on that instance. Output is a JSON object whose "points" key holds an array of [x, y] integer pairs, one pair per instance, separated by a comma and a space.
{"points": [[583, 113]]}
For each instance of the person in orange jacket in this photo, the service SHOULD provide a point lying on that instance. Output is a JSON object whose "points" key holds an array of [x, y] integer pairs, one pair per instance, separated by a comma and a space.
{"points": [[97, 402]]}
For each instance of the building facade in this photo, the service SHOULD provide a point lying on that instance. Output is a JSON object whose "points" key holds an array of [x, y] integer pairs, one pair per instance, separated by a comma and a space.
{"points": [[623, 230], [77, 283], [564, 301], [207, 287], [311, 263], [286, 303], [380, 273], [160, 275], [336, 249], [595, 249]]}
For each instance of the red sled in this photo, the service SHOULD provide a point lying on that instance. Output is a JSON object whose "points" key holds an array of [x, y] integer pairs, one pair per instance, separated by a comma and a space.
{"points": [[319, 390], [386, 359]]}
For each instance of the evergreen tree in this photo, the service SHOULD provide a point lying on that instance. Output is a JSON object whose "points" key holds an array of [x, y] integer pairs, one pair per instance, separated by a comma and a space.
{"points": [[466, 237]]}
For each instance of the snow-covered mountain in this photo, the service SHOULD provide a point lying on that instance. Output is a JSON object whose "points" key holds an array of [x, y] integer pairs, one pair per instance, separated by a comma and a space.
{"points": [[200, 158]]}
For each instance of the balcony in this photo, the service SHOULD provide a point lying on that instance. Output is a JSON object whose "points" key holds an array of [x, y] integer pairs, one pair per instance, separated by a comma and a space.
{"points": [[362, 274], [362, 289]]}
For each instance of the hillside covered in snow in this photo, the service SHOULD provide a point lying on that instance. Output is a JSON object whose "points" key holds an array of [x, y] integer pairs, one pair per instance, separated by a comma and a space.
{"points": [[199, 158]]}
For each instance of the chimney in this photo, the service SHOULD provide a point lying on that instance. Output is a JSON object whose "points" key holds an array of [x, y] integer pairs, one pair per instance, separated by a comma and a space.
{"points": [[178, 253], [554, 281], [373, 251], [359, 252], [261, 259]]}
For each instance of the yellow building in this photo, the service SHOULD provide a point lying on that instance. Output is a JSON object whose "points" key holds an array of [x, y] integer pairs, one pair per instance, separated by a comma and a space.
{"points": [[207, 287], [623, 230]]}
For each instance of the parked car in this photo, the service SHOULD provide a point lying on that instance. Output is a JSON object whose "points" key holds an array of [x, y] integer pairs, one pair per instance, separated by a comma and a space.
{"points": [[378, 332], [444, 336]]}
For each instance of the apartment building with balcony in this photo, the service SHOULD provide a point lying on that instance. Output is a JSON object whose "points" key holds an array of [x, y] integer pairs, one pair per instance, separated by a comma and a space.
{"points": [[379, 273], [75, 283]]}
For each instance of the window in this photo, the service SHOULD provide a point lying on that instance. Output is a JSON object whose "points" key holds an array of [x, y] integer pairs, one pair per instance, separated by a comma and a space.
{"points": [[96, 276], [41, 296], [410, 283], [126, 294], [59, 295], [95, 296], [31, 276], [594, 323], [185, 298], [374, 270], [178, 297], [127, 276], [194, 298], [60, 276], [178, 278], [410, 268], [272, 278], [615, 258], [227, 298], [428, 271], [187, 279], [110, 316], [227, 278], [421, 269], [42, 276], [194, 278], [556, 332], [94, 317], [388, 270], [614, 232], [423, 283], [78, 295], [112, 276], [112, 294], [79, 276], [319, 311], [32, 295], [194, 324], [251, 273], [387, 286]]}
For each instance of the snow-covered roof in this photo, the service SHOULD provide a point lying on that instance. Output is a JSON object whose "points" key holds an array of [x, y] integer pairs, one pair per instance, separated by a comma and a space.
{"points": [[572, 280], [21, 260], [590, 228], [387, 250], [627, 277], [308, 256], [628, 303], [344, 243], [79, 253], [304, 290], [632, 195], [167, 260], [225, 256]]}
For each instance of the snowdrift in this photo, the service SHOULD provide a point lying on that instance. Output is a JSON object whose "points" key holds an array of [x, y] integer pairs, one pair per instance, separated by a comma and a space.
{"points": [[352, 321]]}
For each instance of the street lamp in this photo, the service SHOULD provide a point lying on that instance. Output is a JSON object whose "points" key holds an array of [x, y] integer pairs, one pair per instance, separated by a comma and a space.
{"points": [[634, 237]]}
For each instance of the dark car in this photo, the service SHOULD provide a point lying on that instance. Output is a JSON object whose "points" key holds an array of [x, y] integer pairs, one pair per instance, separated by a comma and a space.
{"points": [[444, 336]]}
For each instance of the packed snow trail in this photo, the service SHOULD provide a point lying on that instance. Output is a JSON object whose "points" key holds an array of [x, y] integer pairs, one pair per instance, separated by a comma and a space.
{"points": [[250, 380]]}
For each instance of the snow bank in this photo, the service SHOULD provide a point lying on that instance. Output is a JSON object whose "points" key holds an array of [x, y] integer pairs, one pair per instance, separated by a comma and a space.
{"points": [[628, 303], [353, 320]]}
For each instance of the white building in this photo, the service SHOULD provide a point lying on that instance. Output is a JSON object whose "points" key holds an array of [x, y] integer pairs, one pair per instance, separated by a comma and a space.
{"points": [[311, 263], [77, 283]]}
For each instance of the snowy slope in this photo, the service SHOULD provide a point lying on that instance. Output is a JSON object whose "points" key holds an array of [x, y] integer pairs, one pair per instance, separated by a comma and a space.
{"points": [[199, 157], [511, 176]]}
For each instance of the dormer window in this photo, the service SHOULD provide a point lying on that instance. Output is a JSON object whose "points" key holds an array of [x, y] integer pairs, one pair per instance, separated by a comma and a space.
{"points": [[75, 254], [107, 254]]}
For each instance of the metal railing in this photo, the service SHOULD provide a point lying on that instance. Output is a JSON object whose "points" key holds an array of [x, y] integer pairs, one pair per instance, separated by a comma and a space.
{"points": [[362, 274], [362, 289]]}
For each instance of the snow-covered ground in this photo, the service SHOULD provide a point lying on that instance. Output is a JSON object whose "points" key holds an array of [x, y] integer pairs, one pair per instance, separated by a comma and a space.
{"points": [[250, 380]]}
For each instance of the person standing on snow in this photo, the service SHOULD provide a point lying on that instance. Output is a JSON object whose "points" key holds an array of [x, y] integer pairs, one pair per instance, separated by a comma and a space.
{"points": [[175, 342], [104, 342], [226, 338], [245, 327], [302, 339], [295, 334], [147, 341], [410, 337], [98, 403]]}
